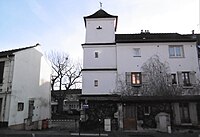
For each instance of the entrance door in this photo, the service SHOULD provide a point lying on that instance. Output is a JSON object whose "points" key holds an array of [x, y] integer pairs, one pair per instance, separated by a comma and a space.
{"points": [[30, 109], [184, 113], [130, 117]]}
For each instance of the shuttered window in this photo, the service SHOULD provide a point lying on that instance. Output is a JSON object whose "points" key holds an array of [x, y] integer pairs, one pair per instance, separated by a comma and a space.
{"points": [[186, 78], [133, 78]]}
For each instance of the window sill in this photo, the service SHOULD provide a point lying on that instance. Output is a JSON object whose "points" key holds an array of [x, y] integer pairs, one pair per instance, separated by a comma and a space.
{"points": [[188, 87], [186, 124], [136, 85], [175, 57]]}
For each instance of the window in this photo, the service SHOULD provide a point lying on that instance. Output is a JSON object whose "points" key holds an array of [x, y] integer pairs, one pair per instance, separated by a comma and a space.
{"points": [[184, 112], [136, 78], [1, 71], [176, 51], [174, 81], [147, 110], [186, 79], [96, 54], [20, 106], [96, 83], [136, 52]]}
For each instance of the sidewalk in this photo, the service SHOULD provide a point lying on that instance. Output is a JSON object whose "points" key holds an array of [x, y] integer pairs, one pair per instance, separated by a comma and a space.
{"points": [[56, 132]]}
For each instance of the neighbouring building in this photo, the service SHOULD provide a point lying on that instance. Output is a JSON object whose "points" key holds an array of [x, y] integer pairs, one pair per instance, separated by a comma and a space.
{"points": [[108, 56], [70, 103], [25, 97]]}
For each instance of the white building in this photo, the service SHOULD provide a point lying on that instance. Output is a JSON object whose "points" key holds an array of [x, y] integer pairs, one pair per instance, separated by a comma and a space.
{"points": [[24, 87], [108, 55]]}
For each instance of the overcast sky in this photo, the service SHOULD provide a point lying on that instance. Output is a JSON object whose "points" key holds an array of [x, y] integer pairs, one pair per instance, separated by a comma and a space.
{"points": [[59, 25]]}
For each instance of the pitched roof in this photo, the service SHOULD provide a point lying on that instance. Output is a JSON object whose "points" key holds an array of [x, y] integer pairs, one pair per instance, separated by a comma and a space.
{"points": [[100, 14], [10, 52], [153, 37]]}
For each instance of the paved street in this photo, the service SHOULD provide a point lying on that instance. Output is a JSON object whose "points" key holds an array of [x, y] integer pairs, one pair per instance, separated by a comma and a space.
{"points": [[65, 133]]}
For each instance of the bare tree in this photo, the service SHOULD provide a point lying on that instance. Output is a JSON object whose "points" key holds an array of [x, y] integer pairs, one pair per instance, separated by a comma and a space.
{"points": [[66, 75], [158, 77]]}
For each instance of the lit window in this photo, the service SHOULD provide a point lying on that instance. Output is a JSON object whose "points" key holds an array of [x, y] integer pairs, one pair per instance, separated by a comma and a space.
{"points": [[96, 54], [176, 51], [136, 52], [136, 78], [20, 106], [96, 83]]}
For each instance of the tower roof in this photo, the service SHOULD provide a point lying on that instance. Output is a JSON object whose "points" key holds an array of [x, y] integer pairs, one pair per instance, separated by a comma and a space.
{"points": [[101, 14]]}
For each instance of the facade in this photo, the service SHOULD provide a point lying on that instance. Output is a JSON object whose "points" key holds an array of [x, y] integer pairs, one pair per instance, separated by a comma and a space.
{"points": [[109, 57], [24, 87], [140, 112]]}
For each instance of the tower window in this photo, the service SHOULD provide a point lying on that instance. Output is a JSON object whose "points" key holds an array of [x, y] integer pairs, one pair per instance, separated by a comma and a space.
{"points": [[99, 27], [96, 83], [96, 54]]}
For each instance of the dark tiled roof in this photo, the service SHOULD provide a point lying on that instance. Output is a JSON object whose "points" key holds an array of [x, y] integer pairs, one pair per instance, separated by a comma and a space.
{"points": [[100, 14], [10, 52], [153, 37]]}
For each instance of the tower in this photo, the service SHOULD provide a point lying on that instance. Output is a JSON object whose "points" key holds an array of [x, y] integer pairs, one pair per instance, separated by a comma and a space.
{"points": [[99, 53]]}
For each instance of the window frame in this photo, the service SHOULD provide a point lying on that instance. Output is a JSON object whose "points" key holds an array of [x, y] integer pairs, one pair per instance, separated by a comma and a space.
{"points": [[20, 106], [174, 79], [136, 52], [186, 78], [2, 65], [174, 49], [148, 108], [96, 83], [96, 54]]}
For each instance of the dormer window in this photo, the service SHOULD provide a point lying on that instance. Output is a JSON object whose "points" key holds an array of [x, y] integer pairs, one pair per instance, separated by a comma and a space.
{"points": [[99, 27]]}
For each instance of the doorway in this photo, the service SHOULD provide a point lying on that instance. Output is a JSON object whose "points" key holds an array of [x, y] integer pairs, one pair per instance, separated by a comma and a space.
{"points": [[130, 117]]}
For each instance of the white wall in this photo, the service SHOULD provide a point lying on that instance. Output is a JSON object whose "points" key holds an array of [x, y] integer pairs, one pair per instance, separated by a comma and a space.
{"points": [[104, 35], [127, 63], [106, 59], [106, 82], [31, 80]]}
